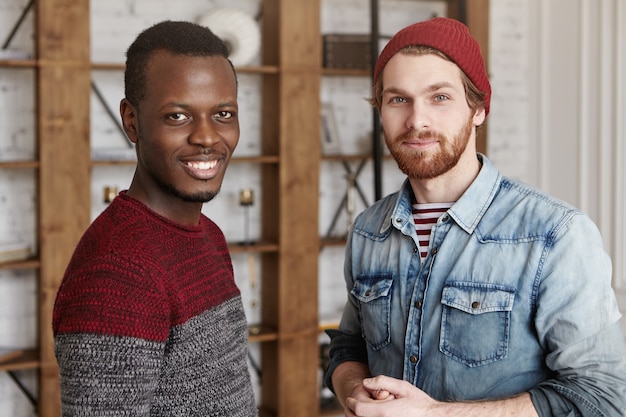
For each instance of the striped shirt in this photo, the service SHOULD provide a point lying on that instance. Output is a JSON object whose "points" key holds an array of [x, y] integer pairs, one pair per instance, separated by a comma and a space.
{"points": [[425, 216]]}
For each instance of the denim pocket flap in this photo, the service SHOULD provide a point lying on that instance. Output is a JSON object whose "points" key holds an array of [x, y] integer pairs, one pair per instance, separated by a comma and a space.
{"points": [[366, 289], [478, 299]]}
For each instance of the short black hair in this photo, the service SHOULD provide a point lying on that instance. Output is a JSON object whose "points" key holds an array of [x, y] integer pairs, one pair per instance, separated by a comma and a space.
{"points": [[179, 37]]}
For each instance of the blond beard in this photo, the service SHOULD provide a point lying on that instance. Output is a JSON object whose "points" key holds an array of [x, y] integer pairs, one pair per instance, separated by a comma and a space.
{"points": [[423, 164]]}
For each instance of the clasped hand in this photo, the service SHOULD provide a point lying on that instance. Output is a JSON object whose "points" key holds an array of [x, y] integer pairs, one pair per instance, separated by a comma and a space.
{"points": [[383, 396]]}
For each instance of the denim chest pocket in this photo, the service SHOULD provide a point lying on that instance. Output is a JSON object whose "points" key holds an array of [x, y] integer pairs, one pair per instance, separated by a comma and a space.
{"points": [[374, 295], [475, 322]]}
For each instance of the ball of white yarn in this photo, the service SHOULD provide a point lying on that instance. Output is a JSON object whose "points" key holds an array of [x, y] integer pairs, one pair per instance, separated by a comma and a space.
{"points": [[238, 30]]}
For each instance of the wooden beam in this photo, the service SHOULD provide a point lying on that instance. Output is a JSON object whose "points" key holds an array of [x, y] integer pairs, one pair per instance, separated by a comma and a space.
{"points": [[291, 197], [478, 22], [63, 86]]}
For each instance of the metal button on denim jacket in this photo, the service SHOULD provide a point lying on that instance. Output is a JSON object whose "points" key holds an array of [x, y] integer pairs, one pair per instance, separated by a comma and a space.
{"points": [[514, 296]]}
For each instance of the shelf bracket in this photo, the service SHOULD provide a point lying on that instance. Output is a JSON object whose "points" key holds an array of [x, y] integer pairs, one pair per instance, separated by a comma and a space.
{"points": [[352, 178], [17, 25], [110, 113], [23, 389]]}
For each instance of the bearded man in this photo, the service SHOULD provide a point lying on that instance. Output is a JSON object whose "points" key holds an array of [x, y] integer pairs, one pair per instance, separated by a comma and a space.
{"points": [[469, 294]]}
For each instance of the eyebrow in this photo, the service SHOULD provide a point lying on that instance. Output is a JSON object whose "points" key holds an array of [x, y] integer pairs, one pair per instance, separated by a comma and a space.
{"points": [[439, 86], [227, 104], [431, 88]]}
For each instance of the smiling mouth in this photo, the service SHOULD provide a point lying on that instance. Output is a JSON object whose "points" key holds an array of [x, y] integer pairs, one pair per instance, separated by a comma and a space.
{"points": [[202, 165]]}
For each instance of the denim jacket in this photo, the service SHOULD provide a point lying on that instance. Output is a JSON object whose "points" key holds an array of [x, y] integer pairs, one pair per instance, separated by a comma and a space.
{"points": [[514, 295]]}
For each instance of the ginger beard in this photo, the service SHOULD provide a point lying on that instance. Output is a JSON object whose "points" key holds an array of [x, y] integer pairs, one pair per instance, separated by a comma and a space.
{"points": [[426, 164]]}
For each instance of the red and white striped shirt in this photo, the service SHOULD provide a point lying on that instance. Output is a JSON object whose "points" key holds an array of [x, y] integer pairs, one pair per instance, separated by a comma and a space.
{"points": [[425, 216]]}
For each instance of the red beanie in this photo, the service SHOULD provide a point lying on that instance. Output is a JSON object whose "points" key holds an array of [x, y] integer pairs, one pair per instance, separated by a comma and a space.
{"points": [[448, 36]]}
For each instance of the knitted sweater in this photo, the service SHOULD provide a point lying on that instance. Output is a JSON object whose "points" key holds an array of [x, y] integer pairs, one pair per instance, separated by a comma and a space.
{"points": [[148, 320]]}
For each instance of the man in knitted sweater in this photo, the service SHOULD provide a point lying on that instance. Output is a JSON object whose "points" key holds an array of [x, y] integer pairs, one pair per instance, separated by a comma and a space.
{"points": [[148, 320]]}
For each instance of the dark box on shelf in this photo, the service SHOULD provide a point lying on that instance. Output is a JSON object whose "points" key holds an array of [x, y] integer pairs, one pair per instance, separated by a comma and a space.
{"points": [[347, 51]]}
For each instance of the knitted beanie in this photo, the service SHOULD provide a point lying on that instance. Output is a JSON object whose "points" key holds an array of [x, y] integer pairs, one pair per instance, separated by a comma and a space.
{"points": [[448, 36]]}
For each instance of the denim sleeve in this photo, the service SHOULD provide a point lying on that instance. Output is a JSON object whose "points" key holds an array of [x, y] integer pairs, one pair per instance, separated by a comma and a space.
{"points": [[577, 323], [344, 347], [346, 343], [599, 390]]}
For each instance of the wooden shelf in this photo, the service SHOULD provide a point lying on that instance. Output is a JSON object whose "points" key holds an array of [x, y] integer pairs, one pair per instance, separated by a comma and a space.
{"points": [[32, 263], [261, 333], [346, 157], [263, 159], [263, 69], [18, 164], [26, 359], [328, 326], [254, 247], [332, 241], [108, 66], [18, 63]]}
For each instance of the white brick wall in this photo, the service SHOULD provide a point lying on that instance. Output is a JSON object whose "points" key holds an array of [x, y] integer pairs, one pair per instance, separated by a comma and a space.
{"points": [[17, 207]]}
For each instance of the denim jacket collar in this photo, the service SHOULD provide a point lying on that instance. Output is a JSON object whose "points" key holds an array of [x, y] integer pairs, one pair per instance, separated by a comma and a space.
{"points": [[466, 212]]}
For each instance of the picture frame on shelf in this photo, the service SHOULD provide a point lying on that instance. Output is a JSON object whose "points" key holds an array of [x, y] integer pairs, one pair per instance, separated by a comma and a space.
{"points": [[329, 134]]}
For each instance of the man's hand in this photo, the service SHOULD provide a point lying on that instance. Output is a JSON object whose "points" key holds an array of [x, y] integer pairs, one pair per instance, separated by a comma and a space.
{"points": [[361, 394], [407, 400], [390, 397]]}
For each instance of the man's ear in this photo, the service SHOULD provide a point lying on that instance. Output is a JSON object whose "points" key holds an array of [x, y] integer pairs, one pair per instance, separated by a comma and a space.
{"points": [[129, 117], [479, 116]]}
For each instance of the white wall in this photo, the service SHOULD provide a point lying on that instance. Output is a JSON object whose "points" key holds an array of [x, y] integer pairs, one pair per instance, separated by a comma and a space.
{"points": [[558, 116]]}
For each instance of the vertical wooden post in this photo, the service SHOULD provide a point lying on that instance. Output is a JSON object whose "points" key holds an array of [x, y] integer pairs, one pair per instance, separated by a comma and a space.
{"points": [[291, 116], [300, 65], [64, 154], [475, 14], [478, 22]]}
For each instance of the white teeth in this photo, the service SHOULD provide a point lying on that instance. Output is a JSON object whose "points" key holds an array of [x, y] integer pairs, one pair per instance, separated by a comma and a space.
{"points": [[202, 165]]}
